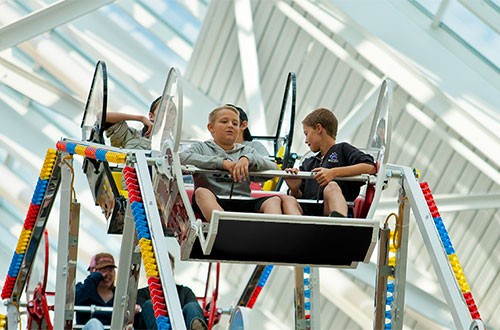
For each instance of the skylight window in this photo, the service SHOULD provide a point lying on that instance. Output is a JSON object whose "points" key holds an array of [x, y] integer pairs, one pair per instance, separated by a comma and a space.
{"points": [[473, 23]]}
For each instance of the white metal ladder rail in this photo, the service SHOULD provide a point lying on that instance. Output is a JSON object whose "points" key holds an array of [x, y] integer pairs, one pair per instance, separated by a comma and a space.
{"points": [[437, 253]]}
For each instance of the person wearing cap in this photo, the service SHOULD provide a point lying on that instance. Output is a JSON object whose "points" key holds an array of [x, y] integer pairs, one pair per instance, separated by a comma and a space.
{"points": [[245, 137], [98, 289]]}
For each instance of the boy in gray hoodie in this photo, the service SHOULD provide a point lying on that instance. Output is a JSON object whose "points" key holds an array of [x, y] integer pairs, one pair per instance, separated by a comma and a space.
{"points": [[223, 153]]}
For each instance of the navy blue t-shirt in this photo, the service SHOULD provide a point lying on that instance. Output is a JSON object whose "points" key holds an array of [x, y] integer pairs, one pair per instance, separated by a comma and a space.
{"points": [[86, 295], [340, 154]]}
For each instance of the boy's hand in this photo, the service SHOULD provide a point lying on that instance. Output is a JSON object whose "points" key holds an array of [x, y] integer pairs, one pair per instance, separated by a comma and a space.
{"points": [[148, 124], [293, 184], [228, 165], [240, 170], [292, 171], [323, 175], [104, 271]]}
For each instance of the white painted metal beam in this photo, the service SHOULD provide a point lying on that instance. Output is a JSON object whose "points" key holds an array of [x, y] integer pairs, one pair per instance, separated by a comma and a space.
{"points": [[426, 305], [39, 90], [462, 117], [250, 65], [325, 40], [440, 13], [45, 20], [457, 145], [358, 115], [452, 203]]}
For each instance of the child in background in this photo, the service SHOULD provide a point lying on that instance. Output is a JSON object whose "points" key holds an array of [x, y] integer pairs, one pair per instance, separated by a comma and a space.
{"points": [[123, 136], [245, 137]]}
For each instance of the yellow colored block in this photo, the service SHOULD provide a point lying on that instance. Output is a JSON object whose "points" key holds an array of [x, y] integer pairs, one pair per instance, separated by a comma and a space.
{"points": [[464, 286], [459, 273], [48, 164], [3, 321], [151, 267], [116, 157], [80, 150], [118, 178], [149, 259], [23, 241], [151, 273], [147, 254], [146, 244], [45, 174]]}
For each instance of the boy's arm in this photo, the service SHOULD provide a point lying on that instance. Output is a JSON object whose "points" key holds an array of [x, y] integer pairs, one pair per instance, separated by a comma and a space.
{"points": [[293, 184], [325, 175], [197, 155], [116, 117], [84, 290]]}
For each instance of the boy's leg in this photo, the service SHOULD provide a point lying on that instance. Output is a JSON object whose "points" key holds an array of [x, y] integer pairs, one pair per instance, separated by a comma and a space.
{"points": [[147, 317], [207, 202], [334, 200], [271, 205], [193, 316], [290, 205], [93, 324]]}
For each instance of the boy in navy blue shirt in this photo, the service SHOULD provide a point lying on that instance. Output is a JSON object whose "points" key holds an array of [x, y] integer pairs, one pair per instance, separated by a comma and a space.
{"points": [[331, 161]]}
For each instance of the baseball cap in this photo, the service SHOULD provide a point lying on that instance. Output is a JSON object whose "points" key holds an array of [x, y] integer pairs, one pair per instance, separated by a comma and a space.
{"points": [[101, 260], [247, 136]]}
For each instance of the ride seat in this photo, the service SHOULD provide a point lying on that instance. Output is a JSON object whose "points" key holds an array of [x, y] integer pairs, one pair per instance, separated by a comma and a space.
{"points": [[363, 202]]}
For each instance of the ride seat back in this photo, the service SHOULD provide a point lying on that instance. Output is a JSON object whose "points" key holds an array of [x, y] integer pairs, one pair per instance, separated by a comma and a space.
{"points": [[363, 202]]}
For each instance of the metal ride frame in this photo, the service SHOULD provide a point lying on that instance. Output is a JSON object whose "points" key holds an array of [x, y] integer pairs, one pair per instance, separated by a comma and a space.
{"points": [[146, 226]]}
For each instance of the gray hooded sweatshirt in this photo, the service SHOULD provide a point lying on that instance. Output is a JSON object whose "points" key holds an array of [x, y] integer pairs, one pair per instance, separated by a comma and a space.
{"points": [[209, 155]]}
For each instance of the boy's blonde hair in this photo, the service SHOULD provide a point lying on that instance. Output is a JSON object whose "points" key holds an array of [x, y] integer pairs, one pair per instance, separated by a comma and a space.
{"points": [[213, 114], [326, 118]]}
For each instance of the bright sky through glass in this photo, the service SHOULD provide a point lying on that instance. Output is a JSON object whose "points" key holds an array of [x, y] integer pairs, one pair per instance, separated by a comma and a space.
{"points": [[470, 28]]}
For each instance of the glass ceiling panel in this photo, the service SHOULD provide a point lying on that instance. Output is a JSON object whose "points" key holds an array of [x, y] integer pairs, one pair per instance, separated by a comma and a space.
{"points": [[176, 17], [473, 31], [468, 28]]}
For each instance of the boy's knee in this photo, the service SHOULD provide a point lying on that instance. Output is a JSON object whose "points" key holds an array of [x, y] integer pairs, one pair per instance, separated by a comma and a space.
{"points": [[287, 199], [274, 200], [271, 205], [93, 324], [332, 188], [203, 193]]}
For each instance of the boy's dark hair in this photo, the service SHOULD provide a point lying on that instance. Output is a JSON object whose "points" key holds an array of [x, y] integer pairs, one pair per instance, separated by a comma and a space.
{"points": [[247, 136], [325, 118], [154, 104]]}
